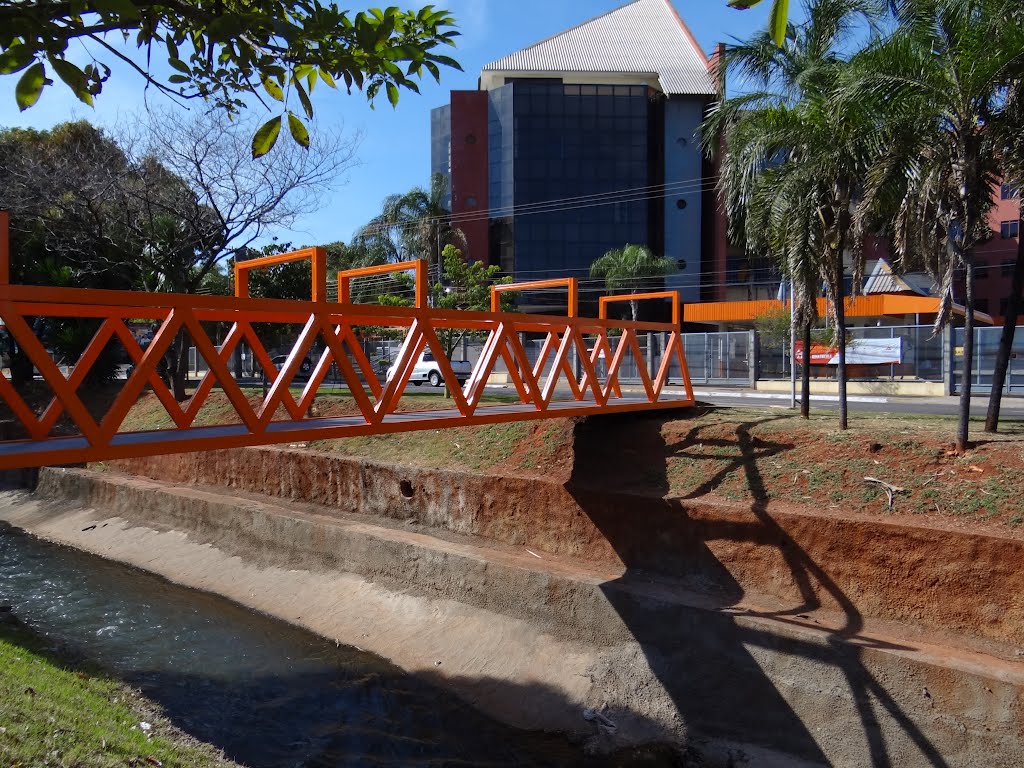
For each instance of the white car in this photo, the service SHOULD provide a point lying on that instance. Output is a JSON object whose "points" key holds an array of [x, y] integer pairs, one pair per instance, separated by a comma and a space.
{"points": [[427, 370]]}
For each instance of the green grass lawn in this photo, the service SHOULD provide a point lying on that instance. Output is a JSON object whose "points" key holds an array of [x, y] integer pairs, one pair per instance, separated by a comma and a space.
{"points": [[54, 715]]}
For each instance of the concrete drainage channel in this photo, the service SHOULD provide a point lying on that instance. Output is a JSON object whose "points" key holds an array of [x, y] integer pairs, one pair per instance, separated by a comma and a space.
{"points": [[619, 639]]}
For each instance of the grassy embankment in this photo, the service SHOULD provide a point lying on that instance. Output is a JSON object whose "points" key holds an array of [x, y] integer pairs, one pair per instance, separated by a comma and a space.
{"points": [[53, 714]]}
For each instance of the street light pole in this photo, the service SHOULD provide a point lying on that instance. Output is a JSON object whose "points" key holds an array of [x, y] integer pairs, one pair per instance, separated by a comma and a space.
{"points": [[792, 348]]}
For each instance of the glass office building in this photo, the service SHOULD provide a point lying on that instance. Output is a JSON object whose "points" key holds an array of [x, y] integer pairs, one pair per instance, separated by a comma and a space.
{"points": [[574, 147]]}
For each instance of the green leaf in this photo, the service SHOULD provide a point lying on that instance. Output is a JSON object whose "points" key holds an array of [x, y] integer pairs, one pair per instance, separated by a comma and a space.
{"points": [[179, 65], [74, 78], [778, 21], [307, 107], [30, 86], [15, 58], [298, 131], [393, 94], [743, 4], [328, 78], [177, 79], [272, 88], [448, 61], [266, 137]]}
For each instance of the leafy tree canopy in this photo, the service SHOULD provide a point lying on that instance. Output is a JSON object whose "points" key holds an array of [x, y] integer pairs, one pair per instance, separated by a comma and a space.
{"points": [[223, 51], [414, 225], [464, 285]]}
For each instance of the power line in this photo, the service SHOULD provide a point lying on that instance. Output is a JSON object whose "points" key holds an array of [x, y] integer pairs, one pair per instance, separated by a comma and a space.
{"points": [[555, 205]]}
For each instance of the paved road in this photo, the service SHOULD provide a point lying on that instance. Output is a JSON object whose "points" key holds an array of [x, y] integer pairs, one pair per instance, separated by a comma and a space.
{"points": [[1012, 407]]}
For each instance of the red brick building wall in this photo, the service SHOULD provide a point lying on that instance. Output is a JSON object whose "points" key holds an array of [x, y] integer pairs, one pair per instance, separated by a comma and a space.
{"points": [[469, 169]]}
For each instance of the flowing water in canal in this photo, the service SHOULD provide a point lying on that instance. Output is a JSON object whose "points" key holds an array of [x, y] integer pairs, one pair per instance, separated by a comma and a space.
{"points": [[270, 695]]}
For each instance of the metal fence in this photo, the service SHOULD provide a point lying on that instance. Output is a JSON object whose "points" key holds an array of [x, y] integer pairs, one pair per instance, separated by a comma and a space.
{"points": [[922, 357], [986, 344]]}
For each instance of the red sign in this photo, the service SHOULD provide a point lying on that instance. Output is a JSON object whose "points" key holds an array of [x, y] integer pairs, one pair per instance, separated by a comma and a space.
{"points": [[820, 354], [858, 352]]}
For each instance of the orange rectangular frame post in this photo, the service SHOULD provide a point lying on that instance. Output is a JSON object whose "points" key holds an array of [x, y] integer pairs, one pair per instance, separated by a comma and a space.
{"points": [[677, 312], [419, 266], [319, 274], [569, 283], [241, 282], [318, 270]]}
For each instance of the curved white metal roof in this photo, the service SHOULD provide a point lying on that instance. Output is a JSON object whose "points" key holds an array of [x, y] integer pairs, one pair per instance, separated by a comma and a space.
{"points": [[645, 37]]}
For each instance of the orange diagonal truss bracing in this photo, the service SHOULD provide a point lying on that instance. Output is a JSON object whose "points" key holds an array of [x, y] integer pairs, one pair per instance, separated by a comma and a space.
{"points": [[548, 367]]}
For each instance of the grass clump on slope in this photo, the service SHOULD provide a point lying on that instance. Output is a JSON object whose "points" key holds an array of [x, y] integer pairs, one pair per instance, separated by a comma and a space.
{"points": [[53, 715]]}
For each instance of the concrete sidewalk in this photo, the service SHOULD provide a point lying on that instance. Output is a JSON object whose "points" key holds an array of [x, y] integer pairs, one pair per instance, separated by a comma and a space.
{"points": [[1012, 405]]}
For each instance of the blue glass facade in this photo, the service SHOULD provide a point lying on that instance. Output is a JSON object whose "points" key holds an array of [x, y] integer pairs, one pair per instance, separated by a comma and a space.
{"points": [[501, 177], [574, 148], [441, 146]]}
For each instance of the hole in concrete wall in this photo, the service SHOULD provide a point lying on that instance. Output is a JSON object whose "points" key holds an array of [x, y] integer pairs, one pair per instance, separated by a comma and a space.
{"points": [[406, 488]]}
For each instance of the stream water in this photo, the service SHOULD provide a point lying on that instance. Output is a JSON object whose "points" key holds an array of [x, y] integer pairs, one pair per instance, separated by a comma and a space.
{"points": [[270, 695]]}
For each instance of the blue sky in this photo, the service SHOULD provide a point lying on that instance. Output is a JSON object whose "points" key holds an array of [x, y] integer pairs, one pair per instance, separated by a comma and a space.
{"points": [[395, 151]]}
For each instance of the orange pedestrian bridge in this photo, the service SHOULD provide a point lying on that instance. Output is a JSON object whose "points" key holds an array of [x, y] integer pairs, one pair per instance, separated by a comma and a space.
{"points": [[577, 372]]}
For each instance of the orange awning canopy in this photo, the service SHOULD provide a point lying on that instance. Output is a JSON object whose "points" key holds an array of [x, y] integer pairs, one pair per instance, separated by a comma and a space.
{"points": [[873, 305]]}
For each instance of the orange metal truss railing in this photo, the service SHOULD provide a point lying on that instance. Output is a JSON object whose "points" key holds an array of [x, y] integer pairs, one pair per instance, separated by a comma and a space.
{"points": [[577, 372]]}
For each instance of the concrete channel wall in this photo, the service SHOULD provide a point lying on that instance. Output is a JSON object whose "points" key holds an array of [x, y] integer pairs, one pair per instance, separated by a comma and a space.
{"points": [[859, 566], [781, 639]]}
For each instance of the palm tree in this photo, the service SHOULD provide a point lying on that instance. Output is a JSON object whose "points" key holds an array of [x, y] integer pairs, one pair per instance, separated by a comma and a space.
{"points": [[1011, 140], [414, 225], [942, 82], [783, 222], [793, 159], [628, 268]]}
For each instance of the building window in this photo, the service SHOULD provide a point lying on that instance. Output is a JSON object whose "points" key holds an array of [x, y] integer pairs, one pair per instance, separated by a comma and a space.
{"points": [[471, 202], [981, 305], [1009, 192], [1008, 268], [1004, 305], [1008, 229]]}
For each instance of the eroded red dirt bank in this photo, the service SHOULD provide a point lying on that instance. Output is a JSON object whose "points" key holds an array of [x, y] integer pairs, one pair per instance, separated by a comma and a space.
{"points": [[607, 495]]}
